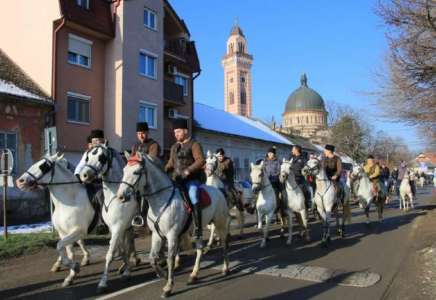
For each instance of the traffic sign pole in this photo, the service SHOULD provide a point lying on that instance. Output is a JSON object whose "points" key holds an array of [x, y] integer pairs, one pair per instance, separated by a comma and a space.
{"points": [[5, 191]]}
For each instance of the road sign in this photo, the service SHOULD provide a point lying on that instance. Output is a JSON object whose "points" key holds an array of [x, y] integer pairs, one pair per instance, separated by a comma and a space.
{"points": [[10, 182], [9, 163]]}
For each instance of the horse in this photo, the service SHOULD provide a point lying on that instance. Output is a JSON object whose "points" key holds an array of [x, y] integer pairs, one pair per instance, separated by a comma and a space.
{"points": [[422, 180], [104, 162], [325, 199], [406, 195], [213, 180], [294, 199], [266, 202], [361, 188], [73, 212], [168, 216]]}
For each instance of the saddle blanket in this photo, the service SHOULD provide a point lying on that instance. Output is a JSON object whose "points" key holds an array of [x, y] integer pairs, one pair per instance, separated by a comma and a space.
{"points": [[204, 199]]}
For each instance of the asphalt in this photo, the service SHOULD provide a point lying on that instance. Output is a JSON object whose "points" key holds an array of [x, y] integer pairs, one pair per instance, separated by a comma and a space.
{"points": [[373, 255]]}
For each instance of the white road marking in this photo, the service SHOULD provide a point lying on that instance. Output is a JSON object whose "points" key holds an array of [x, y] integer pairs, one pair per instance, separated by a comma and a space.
{"points": [[126, 290]]}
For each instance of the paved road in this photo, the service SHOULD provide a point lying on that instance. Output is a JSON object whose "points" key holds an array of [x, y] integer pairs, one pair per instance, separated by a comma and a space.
{"points": [[361, 266]]}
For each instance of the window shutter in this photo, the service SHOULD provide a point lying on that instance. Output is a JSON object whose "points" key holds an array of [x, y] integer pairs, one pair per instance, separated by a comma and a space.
{"points": [[79, 47]]}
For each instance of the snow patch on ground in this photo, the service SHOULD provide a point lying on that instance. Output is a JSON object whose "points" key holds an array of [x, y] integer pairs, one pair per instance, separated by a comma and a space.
{"points": [[28, 228]]}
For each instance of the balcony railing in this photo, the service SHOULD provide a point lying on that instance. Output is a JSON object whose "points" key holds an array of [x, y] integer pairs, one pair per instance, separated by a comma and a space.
{"points": [[173, 93]]}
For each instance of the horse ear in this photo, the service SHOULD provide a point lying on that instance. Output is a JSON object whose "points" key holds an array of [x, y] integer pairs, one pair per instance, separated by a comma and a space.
{"points": [[106, 143], [261, 163], [127, 154], [140, 156], [60, 156], [251, 165], [284, 160], [209, 154]]}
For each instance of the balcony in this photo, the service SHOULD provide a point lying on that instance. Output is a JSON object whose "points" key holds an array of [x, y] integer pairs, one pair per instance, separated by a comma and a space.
{"points": [[173, 94]]}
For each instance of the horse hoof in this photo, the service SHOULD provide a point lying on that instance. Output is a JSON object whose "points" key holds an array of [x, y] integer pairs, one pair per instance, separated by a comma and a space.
{"points": [[67, 283], [165, 294], [288, 243], [125, 278], [84, 262], [225, 272], [101, 289], [205, 250], [262, 245], [192, 279], [55, 269], [121, 269], [76, 268]]}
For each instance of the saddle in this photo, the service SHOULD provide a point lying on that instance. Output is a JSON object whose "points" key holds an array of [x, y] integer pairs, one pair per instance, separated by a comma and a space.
{"points": [[203, 197]]}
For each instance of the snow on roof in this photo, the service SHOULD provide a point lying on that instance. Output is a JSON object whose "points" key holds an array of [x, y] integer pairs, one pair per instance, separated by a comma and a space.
{"points": [[7, 87], [210, 118]]}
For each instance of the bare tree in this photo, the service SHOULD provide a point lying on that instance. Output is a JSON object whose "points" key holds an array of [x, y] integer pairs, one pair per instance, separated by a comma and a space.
{"points": [[408, 88]]}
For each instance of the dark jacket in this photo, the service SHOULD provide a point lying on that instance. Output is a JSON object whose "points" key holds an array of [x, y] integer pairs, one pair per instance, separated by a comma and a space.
{"points": [[298, 163], [384, 173], [333, 166], [226, 171], [150, 147], [186, 156], [271, 168]]}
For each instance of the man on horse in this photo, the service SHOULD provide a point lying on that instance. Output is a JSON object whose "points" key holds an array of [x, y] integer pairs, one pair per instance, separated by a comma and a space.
{"points": [[147, 146], [333, 168], [297, 164], [186, 165], [226, 173], [372, 169], [271, 167]]}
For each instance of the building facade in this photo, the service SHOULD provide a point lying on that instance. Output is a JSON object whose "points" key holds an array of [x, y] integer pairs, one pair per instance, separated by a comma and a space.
{"points": [[305, 113], [107, 64], [237, 74]]}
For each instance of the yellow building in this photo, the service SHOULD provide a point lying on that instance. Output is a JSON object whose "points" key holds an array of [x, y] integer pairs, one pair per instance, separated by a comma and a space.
{"points": [[305, 113]]}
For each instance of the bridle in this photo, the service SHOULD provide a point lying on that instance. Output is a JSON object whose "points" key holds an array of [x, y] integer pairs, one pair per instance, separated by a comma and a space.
{"points": [[47, 166], [104, 159]]}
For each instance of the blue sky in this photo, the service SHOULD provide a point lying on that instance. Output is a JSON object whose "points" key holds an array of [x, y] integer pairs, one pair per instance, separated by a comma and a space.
{"points": [[338, 44]]}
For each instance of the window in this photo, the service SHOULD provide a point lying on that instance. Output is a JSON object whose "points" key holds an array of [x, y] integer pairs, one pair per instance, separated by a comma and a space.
{"points": [[147, 113], [232, 98], [147, 64], [78, 108], [79, 51], [9, 141], [183, 81], [149, 19], [243, 96], [83, 3]]}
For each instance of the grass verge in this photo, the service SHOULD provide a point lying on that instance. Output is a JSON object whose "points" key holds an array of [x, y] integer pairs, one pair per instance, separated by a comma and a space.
{"points": [[19, 244]]}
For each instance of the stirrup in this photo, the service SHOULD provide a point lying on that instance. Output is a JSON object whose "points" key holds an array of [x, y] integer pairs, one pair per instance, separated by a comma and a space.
{"points": [[138, 221]]}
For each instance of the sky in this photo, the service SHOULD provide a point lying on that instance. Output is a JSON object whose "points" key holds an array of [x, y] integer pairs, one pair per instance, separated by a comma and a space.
{"points": [[339, 44]]}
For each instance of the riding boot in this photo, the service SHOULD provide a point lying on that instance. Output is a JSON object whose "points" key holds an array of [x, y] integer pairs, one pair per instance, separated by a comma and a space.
{"points": [[198, 226]]}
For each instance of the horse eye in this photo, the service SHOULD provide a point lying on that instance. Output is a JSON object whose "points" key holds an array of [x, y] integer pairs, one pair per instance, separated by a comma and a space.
{"points": [[138, 172], [44, 168]]}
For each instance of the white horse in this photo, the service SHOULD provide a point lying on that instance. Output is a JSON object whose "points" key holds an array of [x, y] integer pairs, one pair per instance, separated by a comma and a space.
{"points": [[421, 180], [361, 187], [266, 202], [406, 195], [104, 162], [324, 198], [294, 199], [168, 216], [73, 212], [215, 181]]}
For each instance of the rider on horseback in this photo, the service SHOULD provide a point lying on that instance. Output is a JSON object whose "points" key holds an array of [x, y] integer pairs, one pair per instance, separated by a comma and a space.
{"points": [[186, 164], [271, 169], [372, 169], [333, 168], [226, 172], [147, 146], [297, 164]]}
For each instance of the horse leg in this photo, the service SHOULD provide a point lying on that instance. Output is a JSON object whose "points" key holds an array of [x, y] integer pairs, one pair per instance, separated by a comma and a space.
{"points": [[69, 239], [211, 239], [289, 241], [57, 265], [259, 219], [411, 201], [304, 217], [241, 223], [368, 220], [223, 231], [172, 252], [268, 219], [156, 245], [85, 259], [194, 275], [113, 245]]}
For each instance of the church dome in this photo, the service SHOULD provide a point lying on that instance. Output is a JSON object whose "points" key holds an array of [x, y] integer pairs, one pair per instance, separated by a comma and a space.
{"points": [[304, 98]]}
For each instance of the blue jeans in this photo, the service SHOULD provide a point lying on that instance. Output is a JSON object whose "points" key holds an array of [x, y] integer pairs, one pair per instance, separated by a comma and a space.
{"points": [[192, 187]]}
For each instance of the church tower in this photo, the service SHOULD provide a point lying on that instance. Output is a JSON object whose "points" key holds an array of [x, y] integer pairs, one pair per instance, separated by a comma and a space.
{"points": [[237, 74]]}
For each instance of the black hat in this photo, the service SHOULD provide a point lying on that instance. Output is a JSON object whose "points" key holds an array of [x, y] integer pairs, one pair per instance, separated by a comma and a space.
{"points": [[370, 156], [88, 139], [220, 151], [97, 134], [330, 147], [141, 126], [272, 150], [180, 124]]}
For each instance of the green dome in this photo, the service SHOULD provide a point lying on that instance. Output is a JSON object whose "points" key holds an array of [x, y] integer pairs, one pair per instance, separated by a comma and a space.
{"points": [[304, 98]]}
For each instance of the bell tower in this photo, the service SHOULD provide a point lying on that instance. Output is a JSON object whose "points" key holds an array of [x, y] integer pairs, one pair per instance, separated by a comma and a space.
{"points": [[237, 74]]}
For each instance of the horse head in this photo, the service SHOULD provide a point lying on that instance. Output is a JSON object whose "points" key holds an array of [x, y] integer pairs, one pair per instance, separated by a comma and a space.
{"points": [[211, 164], [356, 172], [134, 177], [256, 176], [285, 170], [98, 162], [40, 173], [312, 167]]}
